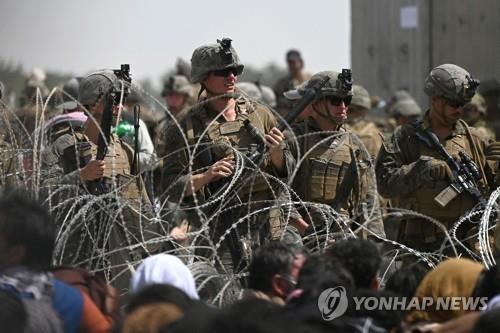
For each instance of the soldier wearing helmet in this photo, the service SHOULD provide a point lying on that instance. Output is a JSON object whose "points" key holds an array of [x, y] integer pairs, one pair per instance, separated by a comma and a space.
{"points": [[71, 160], [334, 168], [475, 116], [258, 92], [177, 91], [412, 168], [405, 111], [358, 123], [221, 129]]}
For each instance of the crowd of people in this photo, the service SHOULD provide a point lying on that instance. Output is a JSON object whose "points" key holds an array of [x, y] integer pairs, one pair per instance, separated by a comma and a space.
{"points": [[233, 206]]}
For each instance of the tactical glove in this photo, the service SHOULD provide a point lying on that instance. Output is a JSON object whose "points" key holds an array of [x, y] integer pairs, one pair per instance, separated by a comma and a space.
{"points": [[431, 169]]}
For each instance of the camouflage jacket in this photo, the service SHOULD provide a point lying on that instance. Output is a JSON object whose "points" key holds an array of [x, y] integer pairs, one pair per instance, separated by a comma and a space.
{"points": [[323, 159], [204, 130], [484, 131], [71, 150], [397, 175], [369, 134]]}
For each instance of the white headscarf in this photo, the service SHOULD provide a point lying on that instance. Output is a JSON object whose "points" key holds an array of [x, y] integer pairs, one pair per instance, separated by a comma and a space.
{"points": [[164, 269]]}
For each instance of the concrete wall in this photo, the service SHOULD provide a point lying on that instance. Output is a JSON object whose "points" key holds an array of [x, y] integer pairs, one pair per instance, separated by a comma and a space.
{"points": [[387, 57]]}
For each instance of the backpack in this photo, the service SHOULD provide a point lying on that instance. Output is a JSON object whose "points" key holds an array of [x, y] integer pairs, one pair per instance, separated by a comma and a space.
{"points": [[104, 296]]}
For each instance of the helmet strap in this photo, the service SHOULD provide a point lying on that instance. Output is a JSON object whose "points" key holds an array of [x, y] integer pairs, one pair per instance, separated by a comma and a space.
{"points": [[325, 115]]}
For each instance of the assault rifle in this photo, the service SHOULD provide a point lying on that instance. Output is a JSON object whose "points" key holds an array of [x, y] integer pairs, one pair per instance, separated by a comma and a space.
{"points": [[111, 99], [465, 171]]}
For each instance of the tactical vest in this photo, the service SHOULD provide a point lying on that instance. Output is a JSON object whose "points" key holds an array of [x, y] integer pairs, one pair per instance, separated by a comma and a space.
{"points": [[225, 136], [117, 172], [327, 164], [425, 195], [423, 201]]}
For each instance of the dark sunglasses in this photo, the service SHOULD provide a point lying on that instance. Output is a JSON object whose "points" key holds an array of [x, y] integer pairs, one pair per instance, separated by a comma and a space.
{"points": [[337, 100], [225, 72], [455, 104]]}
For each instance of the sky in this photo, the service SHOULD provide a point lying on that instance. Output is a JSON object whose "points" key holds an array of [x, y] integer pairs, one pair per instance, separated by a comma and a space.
{"points": [[79, 36]]}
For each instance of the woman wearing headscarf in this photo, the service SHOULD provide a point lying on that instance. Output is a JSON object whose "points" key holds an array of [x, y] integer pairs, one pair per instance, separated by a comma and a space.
{"points": [[164, 269], [455, 277]]}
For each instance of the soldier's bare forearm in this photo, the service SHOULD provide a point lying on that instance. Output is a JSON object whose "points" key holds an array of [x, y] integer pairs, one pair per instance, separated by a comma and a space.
{"points": [[196, 183], [277, 159]]}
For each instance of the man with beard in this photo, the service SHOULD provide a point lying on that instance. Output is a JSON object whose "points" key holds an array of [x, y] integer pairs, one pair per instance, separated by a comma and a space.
{"points": [[412, 167]]}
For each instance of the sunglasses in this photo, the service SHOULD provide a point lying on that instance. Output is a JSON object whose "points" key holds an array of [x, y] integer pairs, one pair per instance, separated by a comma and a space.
{"points": [[337, 100], [225, 72], [455, 104]]}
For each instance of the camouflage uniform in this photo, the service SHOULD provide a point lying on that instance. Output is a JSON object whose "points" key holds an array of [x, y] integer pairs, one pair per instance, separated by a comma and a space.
{"points": [[366, 130], [325, 166], [223, 138], [113, 222], [175, 84], [405, 165], [288, 83], [484, 130], [178, 84]]}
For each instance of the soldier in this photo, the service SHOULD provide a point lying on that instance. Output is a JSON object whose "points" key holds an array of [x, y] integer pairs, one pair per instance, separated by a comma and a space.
{"points": [[219, 131], [177, 92], [126, 131], [411, 166], [119, 219], [474, 116], [405, 111], [366, 130], [490, 90], [295, 77], [334, 169], [258, 92]]}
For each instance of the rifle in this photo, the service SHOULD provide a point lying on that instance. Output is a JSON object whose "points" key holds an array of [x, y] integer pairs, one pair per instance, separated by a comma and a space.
{"points": [[112, 98], [465, 171], [298, 108], [136, 168]]}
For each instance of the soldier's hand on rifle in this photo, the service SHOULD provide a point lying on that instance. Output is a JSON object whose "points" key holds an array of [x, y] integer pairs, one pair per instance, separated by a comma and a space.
{"points": [[220, 169], [92, 171], [274, 143], [492, 152], [430, 169]]}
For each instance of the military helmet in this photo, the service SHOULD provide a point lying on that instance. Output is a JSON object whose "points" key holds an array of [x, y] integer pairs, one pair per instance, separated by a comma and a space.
{"points": [[214, 57], [177, 84], [338, 85], [250, 89], [96, 85], [360, 97], [451, 82], [406, 107], [70, 94], [478, 102], [268, 96]]}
